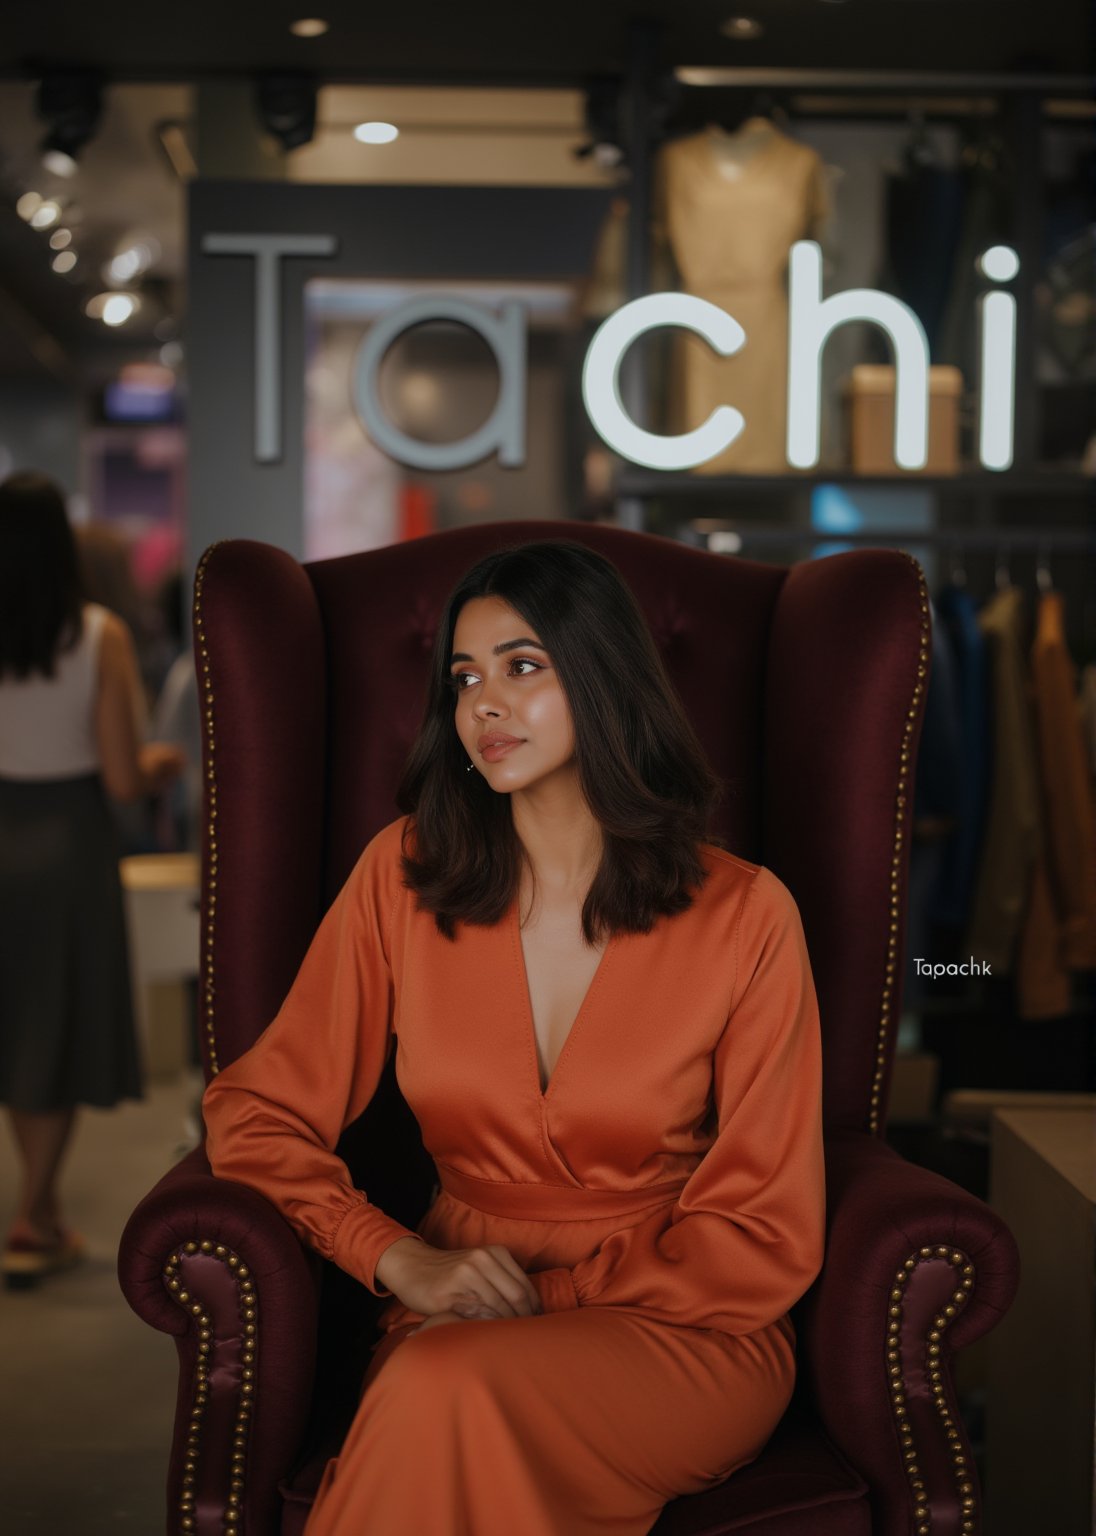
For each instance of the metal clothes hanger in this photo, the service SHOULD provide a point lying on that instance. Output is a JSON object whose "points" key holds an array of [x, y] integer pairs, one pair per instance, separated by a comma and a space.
{"points": [[1002, 578], [1043, 578], [957, 573], [920, 150]]}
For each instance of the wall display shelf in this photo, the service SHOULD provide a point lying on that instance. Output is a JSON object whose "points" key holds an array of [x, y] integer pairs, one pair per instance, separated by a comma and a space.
{"points": [[1066, 484]]}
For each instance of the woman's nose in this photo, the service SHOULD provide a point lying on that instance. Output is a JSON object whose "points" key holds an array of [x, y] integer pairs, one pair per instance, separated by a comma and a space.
{"points": [[489, 703]]}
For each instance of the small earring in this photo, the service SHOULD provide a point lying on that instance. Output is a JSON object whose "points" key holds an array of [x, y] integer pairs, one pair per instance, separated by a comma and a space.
{"points": [[471, 765]]}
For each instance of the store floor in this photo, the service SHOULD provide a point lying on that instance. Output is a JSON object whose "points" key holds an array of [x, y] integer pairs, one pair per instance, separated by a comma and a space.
{"points": [[88, 1391]]}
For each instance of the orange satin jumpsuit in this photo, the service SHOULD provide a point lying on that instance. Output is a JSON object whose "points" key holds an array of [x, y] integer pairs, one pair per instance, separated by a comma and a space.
{"points": [[665, 1194]]}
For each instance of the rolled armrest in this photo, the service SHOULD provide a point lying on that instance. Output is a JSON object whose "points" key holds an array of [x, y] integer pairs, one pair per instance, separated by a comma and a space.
{"points": [[215, 1264], [916, 1269]]}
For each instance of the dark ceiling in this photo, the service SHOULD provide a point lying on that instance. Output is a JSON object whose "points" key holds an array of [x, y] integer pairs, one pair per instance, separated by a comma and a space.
{"points": [[489, 43], [557, 41]]}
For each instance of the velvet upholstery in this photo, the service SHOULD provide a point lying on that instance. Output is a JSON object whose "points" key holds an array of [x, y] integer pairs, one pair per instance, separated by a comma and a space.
{"points": [[806, 686]]}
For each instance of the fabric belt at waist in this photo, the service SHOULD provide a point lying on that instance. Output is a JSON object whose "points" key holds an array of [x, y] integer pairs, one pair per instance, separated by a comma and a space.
{"points": [[553, 1202]]}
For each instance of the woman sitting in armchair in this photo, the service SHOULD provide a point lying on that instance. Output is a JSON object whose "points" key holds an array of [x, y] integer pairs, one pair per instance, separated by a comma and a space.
{"points": [[606, 1027]]}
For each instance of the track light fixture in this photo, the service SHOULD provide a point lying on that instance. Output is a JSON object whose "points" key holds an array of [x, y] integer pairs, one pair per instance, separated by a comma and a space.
{"points": [[287, 106], [70, 101], [603, 113]]}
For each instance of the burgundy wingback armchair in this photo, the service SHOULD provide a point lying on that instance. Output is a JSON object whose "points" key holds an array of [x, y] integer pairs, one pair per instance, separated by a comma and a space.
{"points": [[807, 686]]}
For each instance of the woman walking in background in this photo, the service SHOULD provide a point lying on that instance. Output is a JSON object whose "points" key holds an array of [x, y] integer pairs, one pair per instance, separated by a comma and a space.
{"points": [[69, 737]]}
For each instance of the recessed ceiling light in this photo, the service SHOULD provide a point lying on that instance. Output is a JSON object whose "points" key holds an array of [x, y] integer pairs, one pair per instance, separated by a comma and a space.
{"points": [[58, 163], [28, 205], [308, 26], [376, 133], [118, 308], [112, 308], [60, 238], [64, 261], [130, 262], [45, 214], [741, 27]]}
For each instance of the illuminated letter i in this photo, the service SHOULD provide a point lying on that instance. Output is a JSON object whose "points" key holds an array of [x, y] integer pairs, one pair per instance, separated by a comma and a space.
{"points": [[998, 382]]}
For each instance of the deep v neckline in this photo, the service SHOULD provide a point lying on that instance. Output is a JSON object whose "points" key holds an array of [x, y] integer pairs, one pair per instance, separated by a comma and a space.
{"points": [[530, 1021]]}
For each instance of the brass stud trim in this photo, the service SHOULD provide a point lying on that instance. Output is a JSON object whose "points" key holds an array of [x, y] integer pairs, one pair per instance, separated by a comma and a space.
{"points": [[875, 1095], [210, 778], [900, 1392], [247, 1305]]}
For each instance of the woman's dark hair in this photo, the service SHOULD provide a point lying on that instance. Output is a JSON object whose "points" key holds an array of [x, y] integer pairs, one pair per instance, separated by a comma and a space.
{"points": [[41, 593], [641, 767]]}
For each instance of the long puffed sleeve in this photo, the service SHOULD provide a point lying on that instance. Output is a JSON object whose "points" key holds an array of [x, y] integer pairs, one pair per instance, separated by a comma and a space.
{"points": [[275, 1114], [745, 1237]]}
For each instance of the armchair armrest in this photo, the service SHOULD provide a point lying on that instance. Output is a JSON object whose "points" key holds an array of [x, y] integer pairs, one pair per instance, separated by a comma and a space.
{"points": [[213, 1263], [916, 1268]]}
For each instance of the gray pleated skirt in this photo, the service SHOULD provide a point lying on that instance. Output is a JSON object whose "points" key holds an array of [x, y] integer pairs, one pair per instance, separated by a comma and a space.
{"points": [[67, 1031]]}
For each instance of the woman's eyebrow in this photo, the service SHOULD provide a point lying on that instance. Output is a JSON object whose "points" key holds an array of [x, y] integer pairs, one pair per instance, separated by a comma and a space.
{"points": [[497, 650]]}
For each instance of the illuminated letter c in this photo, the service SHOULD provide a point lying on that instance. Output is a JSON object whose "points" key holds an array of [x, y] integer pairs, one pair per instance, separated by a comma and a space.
{"points": [[601, 381]]}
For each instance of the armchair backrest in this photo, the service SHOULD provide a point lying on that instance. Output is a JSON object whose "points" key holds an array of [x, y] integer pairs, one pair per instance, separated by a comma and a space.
{"points": [[806, 686]]}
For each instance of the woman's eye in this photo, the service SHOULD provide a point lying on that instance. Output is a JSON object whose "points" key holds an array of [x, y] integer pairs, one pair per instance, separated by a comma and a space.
{"points": [[518, 661]]}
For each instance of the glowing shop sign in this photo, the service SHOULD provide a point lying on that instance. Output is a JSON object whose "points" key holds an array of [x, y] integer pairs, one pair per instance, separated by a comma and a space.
{"points": [[811, 321]]}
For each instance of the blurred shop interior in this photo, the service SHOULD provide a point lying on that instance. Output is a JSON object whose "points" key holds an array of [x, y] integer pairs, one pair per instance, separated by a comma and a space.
{"points": [[939, 155]]}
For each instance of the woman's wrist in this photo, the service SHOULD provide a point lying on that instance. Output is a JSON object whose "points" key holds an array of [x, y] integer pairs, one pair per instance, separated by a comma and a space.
{"points": [[391, 1262]]}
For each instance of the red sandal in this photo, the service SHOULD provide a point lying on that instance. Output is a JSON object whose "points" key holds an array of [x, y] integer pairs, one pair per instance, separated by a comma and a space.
{"points": [[26, 1259]]}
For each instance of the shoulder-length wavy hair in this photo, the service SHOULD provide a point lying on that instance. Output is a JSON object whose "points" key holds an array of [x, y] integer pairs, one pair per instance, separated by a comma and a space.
{"points": [[640, 766], [41, 592]]}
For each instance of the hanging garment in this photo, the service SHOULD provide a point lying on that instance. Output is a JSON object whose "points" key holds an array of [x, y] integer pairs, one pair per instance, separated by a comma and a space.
{"points": [[1012, 824], [924, 222], [1069, 816], [958, 616], [1086, 709], [1013, 925], [664, 1192], [730, 235], [987, 204]]}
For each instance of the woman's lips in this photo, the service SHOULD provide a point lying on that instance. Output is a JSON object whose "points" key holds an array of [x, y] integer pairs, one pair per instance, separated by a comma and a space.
{"points": [[492, 754]]}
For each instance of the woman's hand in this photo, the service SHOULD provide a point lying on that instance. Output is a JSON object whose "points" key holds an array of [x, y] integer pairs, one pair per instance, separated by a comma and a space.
{"points": [[469, 1282], [450, 1317], [160, 764]]}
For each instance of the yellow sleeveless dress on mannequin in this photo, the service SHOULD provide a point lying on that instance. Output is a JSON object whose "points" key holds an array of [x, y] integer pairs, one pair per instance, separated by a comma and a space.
{"points": [[730, 207]]}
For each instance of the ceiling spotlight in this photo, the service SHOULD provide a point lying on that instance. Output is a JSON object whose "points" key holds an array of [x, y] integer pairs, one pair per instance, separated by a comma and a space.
{"points": [[28, 205], [71, 102], [60, 238], [741, 28], [603, 111], [112, 308], [118, 308], [59, 163], [287, 106], [309, 26], [130, 262], [376, 133], [64, 261], [45, 214]]}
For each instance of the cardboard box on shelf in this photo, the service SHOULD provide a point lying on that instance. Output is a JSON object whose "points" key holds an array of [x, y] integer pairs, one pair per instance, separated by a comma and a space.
{"points": [[869, 402]]}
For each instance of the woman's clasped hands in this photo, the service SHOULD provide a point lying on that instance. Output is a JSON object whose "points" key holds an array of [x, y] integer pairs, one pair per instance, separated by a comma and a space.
{"points": [[457, 1285]]}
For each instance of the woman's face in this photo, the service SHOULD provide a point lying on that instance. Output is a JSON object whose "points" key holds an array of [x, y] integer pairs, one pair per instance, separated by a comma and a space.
{"points": [[516, 693]]}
